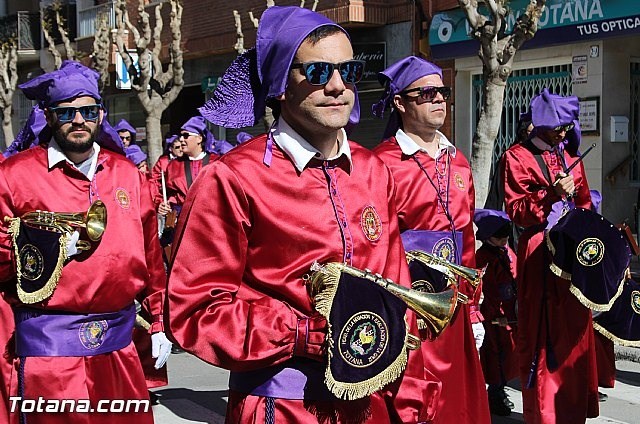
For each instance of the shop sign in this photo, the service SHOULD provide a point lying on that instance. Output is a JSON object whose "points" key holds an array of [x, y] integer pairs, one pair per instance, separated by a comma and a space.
{"points": [[375, 57], [561, 21]]}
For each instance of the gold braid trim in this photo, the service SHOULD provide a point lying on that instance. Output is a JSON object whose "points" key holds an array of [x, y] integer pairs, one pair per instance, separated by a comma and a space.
{"points": [[47, 290], [330, 276], [550, 245], [599, 307], [617, 340]]}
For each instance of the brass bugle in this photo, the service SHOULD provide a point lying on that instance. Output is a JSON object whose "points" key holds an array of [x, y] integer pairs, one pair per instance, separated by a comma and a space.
{"points": [[94, 221], [472, 275], [436, 309]]}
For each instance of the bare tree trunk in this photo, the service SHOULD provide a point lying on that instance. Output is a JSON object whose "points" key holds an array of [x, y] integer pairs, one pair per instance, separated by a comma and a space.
{"points": [[47, 27], [156, 92], [497, 51], [7, 126], [102, 49], [64, 34], [8, 83], [154, 132]]}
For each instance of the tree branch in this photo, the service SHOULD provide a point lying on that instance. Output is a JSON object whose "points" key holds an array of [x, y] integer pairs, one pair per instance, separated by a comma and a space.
{"points": [[102, 49], [51, 44], [64, 34], [239, 46]]}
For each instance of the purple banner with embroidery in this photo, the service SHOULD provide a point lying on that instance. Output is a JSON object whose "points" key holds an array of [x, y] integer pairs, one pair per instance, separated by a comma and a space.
{"points": [[296, 379], [56, 333], [439, 243]]}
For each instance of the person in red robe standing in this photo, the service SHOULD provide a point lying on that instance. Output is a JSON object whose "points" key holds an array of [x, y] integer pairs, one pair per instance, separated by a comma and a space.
{"points": [[498, 352], [257, 219], [173, 150], [435, 199], [555, 331], [89, 307]]}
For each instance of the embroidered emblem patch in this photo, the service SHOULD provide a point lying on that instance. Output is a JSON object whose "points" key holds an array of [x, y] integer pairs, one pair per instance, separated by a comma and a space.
{"points": [[635, 301], [444, 248], [590, 251], [370, 223], [122, 197], [31, 262], [92, 334], [459, 181], [363, 339]]}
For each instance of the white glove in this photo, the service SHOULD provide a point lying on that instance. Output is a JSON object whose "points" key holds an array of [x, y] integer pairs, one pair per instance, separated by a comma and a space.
{"points": [[71, 244], [160, 348], [478, 334]]}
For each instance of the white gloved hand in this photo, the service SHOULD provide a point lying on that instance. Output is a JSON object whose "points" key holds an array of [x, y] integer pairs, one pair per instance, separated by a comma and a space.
{"points": [[71, 244], [160, 348], [478, 333]]}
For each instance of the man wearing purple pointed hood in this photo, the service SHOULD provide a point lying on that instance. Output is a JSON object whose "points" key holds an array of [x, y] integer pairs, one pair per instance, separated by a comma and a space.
{"points": [[557, 367], [139, 158], [257, 218], [436, 199], [90, 307], [126, 132]]}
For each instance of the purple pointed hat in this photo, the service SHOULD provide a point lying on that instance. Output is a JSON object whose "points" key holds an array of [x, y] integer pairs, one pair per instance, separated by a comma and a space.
{"points": [[261, 73], [198, 125], [550, 110], [242, 136], [30, 135], [70, 81], [135, 154], [123, 125], [489, 221], [169, 140], [396, 78]]}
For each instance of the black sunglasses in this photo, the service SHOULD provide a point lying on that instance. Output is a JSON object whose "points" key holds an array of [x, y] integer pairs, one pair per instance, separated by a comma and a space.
{"points": [[125, 137], [319, 73], [68, 113], [428, 93], [565, 128], [186, 135]]}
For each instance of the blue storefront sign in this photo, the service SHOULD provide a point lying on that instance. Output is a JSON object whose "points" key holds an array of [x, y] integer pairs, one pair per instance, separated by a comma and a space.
{"points": [[562, 21]]}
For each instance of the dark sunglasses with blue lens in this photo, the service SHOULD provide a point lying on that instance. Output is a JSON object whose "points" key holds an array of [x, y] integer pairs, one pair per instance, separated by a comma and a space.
{"points": [[68, 113], [428, 93], [319, 73]]}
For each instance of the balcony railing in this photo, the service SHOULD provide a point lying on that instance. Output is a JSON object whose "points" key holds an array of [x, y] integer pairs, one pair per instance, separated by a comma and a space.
{"points": [[87, 18], [24, 27]]}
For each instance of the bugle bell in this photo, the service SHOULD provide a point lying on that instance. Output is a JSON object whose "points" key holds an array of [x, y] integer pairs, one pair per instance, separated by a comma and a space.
{"points": [[472, 275], [436, 309], [94, 221]]}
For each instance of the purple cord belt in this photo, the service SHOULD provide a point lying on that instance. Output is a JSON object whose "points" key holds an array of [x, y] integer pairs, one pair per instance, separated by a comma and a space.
{"points": [[42, 332]]}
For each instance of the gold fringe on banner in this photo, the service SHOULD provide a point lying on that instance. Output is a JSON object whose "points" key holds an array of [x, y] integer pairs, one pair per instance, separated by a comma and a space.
{"points": [[47, 290], [617, 340], [330, 276]]}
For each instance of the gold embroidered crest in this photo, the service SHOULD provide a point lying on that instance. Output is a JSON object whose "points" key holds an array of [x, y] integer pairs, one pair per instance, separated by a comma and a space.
{"points": [[370, 223], [122, 197]]}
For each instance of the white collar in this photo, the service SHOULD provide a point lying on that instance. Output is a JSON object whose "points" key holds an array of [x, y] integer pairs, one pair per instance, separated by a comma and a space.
{"points": [[55, 155], [299, 149], [409, 147], [199, 157], [540, 144]]}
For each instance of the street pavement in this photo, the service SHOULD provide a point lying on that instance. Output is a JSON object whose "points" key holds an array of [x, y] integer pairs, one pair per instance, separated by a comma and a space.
{"points": [[197, 393]]}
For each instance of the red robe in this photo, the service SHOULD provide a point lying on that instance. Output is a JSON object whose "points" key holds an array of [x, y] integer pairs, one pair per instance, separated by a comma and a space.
{"points": [[125, 265], [452, 357], [497, 354], [606, 360], [156, 176], [568, 394], [251, 233], [6, 353], [176, 179]]}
